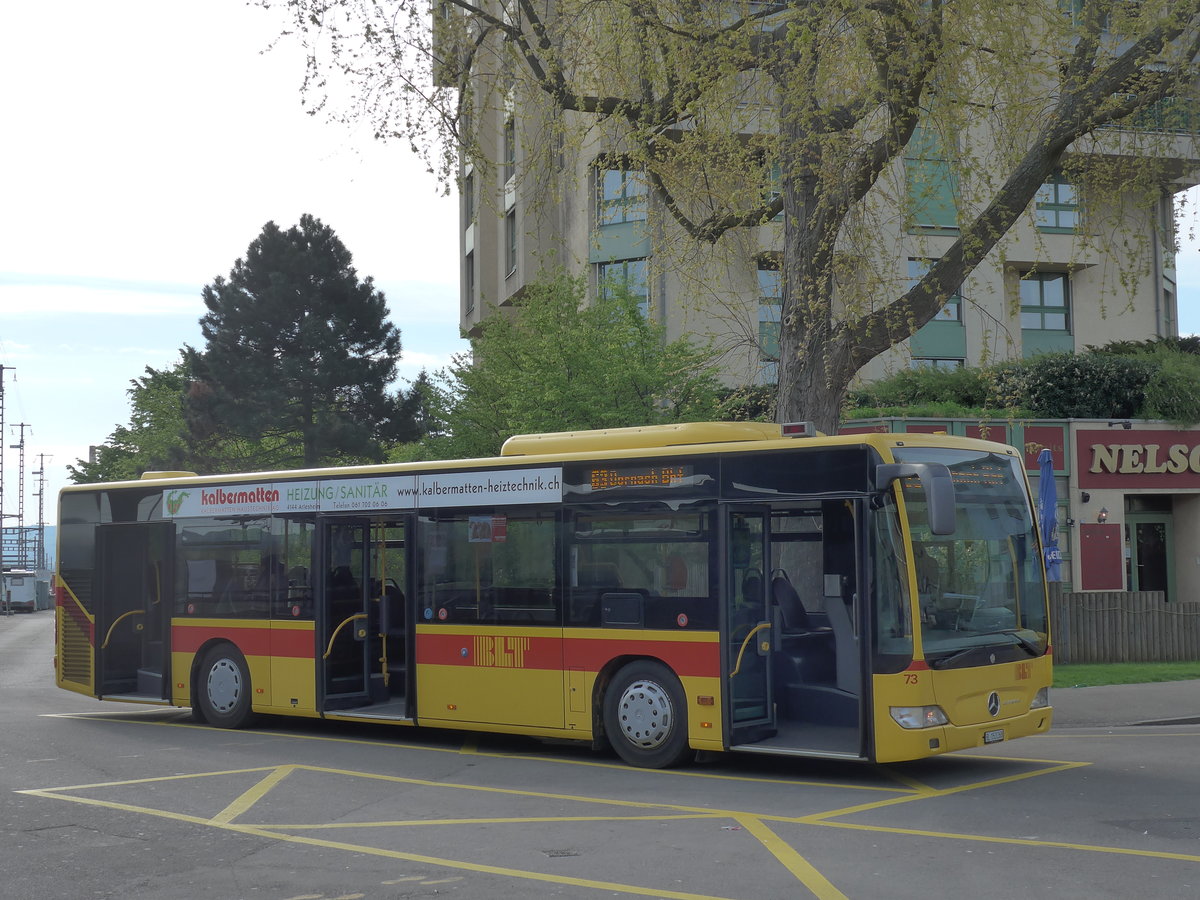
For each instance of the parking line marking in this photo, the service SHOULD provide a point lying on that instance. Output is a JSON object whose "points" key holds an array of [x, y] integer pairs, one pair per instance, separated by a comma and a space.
{"points": [[481, 868], [820, 818], [804, 871], [1018, 842], [507, 820], [252, 796], [491, 754]]}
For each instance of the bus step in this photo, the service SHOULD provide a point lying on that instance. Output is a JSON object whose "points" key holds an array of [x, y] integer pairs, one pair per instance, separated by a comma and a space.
{"points": [[149, 683]]}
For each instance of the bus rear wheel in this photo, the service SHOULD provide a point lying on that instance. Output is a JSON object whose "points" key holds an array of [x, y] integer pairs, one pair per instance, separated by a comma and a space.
{"points": [[223, 687], [645, 716]]}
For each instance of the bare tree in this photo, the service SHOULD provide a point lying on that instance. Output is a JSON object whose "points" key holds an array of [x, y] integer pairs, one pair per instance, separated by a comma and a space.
{"points": [[739, 111]]}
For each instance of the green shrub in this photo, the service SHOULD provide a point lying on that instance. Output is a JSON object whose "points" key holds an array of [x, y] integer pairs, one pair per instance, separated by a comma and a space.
{"points": [[1086, 385], [1173, 392]]}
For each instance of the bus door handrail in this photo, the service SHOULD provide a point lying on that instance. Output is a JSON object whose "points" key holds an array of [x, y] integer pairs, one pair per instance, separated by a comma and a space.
{"points": [[112, 627], [761, 626], [337, 631]]}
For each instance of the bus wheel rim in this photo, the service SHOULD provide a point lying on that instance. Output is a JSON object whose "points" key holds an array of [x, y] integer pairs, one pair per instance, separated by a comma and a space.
{"points": [[224, 686], [646, 714]]}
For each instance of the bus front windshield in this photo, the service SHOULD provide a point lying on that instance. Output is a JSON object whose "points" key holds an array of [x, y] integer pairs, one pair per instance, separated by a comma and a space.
{"points": [[981, 592]]}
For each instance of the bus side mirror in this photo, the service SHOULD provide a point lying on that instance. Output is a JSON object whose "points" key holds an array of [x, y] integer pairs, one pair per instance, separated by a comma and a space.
{"points": [[936, 482]]}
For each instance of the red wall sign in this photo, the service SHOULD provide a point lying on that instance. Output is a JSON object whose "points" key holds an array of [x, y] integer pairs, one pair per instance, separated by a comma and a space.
{"points": [[1138, 459]]}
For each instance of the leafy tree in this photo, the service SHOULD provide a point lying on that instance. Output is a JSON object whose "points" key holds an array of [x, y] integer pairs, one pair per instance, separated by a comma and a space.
{"points": [[832, 112], [298, 359], [556, 364], [153, 440]]}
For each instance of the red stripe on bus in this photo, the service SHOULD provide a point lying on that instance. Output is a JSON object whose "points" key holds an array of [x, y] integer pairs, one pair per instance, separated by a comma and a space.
{"points": [[689, 658], [263, 641], [918, 665]]}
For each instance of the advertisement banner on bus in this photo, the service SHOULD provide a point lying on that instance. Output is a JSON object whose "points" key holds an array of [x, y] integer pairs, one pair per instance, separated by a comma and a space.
{"points": [[508, 487]]}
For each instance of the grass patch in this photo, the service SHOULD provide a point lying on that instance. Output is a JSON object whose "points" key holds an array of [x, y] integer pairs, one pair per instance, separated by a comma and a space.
{"points": [[1094, 674]]}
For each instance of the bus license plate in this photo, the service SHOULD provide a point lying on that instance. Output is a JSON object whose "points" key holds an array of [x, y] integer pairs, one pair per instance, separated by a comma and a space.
{"points": [[991, 737]]}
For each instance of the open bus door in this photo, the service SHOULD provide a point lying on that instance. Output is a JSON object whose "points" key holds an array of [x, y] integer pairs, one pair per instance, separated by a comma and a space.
{"points": [[363, 618], [345, 613], [794, 655], [134, 581]]}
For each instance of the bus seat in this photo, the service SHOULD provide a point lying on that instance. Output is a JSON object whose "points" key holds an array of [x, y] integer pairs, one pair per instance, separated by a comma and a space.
{"points": [[795, 618]]}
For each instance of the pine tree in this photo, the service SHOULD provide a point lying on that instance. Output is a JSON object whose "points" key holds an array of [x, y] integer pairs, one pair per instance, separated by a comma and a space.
{"points": [[299, 356]]}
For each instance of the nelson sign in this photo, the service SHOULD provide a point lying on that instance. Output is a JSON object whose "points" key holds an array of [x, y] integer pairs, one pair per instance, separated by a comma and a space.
{"points": [[1165, 460]]}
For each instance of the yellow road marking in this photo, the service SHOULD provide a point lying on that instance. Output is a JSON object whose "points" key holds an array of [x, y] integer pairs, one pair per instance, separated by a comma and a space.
{"points": [[615, 887], [918, 786], [252, 796], [470, 745], [401, 745], [1019, 842], [509, 820], [820, 818], [804, 871]]}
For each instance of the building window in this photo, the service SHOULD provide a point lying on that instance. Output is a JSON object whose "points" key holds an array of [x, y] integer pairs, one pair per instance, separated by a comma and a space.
{"points": [[770, 306], [468, 200], [774, 189], [621, 197], [510, 150], [510, 243], [627, 273], [1045, 301], [932, 188], [951, 310], [1056, 207], [936, 362], [469, 281]]}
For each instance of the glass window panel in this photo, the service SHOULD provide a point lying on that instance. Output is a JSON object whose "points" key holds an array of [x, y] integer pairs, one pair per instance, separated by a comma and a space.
{"points": [[770, 283], [1031, 320], [1052, 290], [612, 184], [948, 313], [1031, 292], [1055, 321]]}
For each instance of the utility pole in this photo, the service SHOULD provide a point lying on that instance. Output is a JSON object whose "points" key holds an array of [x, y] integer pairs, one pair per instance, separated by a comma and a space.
{"points": [[3, 576], [40, 553], [22, 544]]}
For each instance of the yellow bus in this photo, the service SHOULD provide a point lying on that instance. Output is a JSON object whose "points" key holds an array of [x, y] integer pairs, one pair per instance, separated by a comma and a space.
{"points": [[663, 590]]}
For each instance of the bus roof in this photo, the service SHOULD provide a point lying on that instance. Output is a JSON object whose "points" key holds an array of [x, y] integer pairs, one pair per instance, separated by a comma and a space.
{"points": [[688, 438]]}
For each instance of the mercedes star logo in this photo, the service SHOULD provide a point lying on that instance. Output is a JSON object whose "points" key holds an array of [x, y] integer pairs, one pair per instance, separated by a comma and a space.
{"points": [[994, 703]]}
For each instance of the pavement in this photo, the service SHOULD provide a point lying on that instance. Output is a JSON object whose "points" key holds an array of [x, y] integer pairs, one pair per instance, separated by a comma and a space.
{"points": [[1162, 703]]}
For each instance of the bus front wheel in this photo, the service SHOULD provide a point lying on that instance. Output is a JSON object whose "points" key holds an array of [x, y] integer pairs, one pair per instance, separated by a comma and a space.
{"points": [[645, 716], [223, 684]]}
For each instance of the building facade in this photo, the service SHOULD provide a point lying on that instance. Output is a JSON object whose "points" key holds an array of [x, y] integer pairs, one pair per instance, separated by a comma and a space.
{"points": [[1082, 267]]}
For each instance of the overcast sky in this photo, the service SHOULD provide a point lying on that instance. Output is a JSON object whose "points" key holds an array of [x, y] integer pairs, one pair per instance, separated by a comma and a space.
{"points": [[147, 143]]}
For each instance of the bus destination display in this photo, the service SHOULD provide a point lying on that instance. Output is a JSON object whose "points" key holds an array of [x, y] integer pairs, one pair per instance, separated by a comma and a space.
{"points": [[602, 479]]}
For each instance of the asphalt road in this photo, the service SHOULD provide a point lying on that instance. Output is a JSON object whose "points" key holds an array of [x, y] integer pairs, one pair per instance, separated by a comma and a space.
{"points": [[137, 803]]}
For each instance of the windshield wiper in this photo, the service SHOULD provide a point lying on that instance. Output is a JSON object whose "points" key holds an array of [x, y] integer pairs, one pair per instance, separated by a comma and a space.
{"points": [[1030, 647], [943, 661]]}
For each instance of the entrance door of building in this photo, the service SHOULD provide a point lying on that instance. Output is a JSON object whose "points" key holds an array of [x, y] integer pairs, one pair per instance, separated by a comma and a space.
{"points": [[1149, 562]]}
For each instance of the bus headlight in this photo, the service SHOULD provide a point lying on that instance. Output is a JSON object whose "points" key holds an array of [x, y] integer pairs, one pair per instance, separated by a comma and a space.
{"points": [[918, 716], [1041, 699]]}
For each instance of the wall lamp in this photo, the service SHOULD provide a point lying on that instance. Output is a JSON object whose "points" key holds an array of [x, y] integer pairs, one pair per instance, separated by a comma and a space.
{"points": [[1084, 497], [1126, 424], [1102, 516]]}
